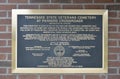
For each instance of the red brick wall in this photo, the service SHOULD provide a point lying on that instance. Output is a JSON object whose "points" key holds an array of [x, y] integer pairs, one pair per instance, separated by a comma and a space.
{"points": [[114, 35]]}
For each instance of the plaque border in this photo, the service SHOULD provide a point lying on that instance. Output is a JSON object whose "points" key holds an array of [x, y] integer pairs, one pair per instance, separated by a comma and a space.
{"points": [[102, 12]]}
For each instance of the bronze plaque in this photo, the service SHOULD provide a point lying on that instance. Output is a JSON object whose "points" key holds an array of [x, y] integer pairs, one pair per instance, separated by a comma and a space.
{"points": [[59, 41]]}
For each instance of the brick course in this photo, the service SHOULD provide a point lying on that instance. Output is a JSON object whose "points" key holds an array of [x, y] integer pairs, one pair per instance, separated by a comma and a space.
{"points": [[28, 77], [82, 1], [95, 77], [2, 1], [72, 77], [2, 28], [49, 77], [112, 71], [39, 1], [7, 7], [72, 7], [94, 6], [112, 28], [104, 1], [2, 56], [28, 7], [17, 1], [50, 6], [112, 57], [3, 70], [7, 77], [61, 1], [113, 7], [113, 76]]}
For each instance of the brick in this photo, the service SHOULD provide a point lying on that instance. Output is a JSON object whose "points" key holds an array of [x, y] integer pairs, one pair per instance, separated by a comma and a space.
{"points": [[118, 14], [113, 7], [113, 76], [112, 43], [2, 1], [3, 14], [72, 7], [50, 6], [95, 76], [39, 1], [112, 57], [5, 35], [82, 1], [7, 7], [28, 77], [114, 35], [72, 77], [9, 42], [5, 50], [112, 14], [5, 64], [9, 29], [94, 6], [28, 6], [9, 70], [104, 1], [49, 77], [114, 21], [114, 50], [117, 1], [61, 1], [8, 77], [5, 21], [9, 57], [119, 43], [112, 28], [9, 14], [119, 56], [2, 42], [114, 63], [17, 1], [112, 70], [119, 70], [2, 70], [2, 28], [119, 29], [2, 56]]}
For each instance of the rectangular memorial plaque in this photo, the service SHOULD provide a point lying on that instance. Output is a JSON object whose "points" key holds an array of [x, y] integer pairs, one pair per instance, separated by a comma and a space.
{"points": [[59, 41]]}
